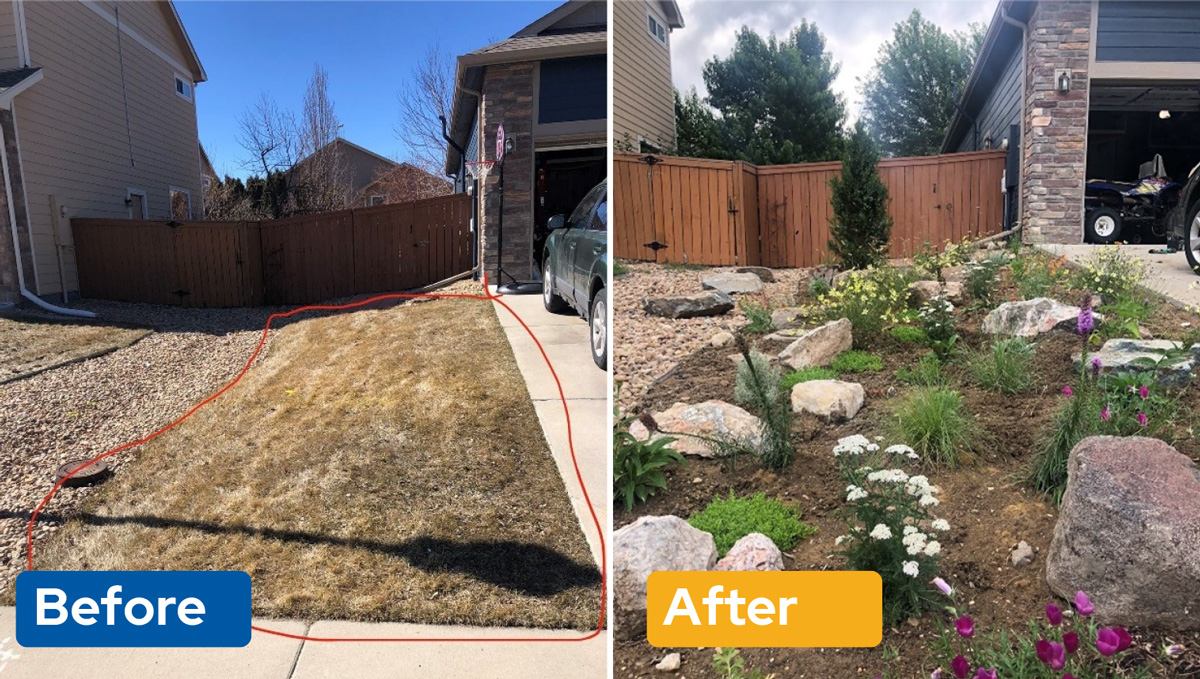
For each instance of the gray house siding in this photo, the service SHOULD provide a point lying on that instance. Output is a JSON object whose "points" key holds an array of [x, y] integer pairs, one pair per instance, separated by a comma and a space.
{"points": [[1003, 108], [1148, 31]]}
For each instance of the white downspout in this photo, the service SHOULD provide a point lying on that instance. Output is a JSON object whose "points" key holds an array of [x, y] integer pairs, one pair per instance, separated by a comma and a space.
{"points": [[12, 222], [1024, 116]]}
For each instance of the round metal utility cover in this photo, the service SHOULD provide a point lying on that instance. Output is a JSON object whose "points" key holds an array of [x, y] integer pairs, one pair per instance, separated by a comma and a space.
{"points": [[87, 474]]}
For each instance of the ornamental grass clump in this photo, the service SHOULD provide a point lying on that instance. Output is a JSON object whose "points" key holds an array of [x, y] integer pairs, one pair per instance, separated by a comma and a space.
{"points": [[932, 420], [1005, 367], [731, 519], [926, 373], [1061, 644], [891, 527]]}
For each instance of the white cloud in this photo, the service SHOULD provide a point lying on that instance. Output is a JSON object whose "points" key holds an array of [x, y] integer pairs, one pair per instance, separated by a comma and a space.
{"points": [[854, 32]]}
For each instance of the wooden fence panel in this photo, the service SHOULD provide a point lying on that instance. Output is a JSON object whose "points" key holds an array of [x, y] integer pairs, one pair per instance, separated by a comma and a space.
{"points": [[128, 260], [721, 213], [308, 258]]}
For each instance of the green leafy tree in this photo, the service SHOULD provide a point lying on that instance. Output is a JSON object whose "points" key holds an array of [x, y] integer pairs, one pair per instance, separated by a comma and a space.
{"points": [[774, 100], [697, 132], [909, 96], [861, 225]]}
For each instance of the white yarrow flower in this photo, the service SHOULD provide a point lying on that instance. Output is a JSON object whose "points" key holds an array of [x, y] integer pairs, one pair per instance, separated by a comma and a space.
{"points": [[911, 569], [881, 532], [855, 493], [898, 449], [909, 530], [933, 548], [941, 525], [840, 540], [928, 501]]}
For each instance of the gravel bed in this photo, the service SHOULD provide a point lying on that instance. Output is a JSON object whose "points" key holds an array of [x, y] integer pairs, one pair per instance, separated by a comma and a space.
{"points": [[646, 347]]}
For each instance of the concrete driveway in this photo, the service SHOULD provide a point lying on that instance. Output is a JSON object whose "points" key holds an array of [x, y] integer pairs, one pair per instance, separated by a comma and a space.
{"points": [[1168, 275]]}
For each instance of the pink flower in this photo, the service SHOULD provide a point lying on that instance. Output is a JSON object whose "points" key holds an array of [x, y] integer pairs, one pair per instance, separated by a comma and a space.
{"points": [[1125, 640], [965, 627], [985, 674], [1084, 324], [1144, 392], [1107, 641], [1083, 604], [1071, 641], [960, 667], [1054, 614], [943, 586], [1105, 414], [1067, 391], [1096, 366], [936, 674], [1142, 419], [1068, 675], [1051, 653]]}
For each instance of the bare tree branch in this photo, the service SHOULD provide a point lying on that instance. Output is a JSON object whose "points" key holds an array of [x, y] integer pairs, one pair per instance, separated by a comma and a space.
{"points": [[427, 95]]}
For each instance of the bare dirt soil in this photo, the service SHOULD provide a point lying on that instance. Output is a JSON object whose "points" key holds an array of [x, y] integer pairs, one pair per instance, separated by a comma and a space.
{"points": [[375, 465], [989, 509]]}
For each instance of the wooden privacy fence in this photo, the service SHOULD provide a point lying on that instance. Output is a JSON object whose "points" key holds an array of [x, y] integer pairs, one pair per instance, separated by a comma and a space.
{"points": [[733, 213], [297, 260]]}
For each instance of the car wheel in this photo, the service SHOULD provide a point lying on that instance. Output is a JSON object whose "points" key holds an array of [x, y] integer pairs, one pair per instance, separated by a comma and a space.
{"points": [[1191, 238], [1103, 225], [550, 299], [598, 319]]}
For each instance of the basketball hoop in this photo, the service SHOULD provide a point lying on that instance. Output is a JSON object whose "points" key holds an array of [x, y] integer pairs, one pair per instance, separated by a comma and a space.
{"points": [[478, 169]]}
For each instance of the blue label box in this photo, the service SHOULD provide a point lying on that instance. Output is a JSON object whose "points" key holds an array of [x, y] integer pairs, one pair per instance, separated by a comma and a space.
{"points": [[133, 609]]}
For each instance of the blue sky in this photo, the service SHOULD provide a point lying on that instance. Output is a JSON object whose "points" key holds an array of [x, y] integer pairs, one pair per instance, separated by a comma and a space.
{"points": [[368, 49]]}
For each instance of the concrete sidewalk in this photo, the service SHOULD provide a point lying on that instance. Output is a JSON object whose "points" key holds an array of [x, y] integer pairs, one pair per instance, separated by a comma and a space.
{"points": [[1168, 275]]}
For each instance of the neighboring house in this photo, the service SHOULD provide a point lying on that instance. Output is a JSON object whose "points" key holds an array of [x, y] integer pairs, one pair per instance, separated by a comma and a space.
{"points": [[208, 175], [356, 167], [402, 183], [1079, 89], [98, 115], [548, 86], [643, 94]]}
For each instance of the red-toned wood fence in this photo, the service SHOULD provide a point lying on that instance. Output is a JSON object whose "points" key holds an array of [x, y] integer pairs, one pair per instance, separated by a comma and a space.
{"points": [[298, 260], [715, 212]]}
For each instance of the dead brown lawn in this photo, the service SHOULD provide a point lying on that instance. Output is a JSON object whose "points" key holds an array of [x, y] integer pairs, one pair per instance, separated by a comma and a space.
{"points": [[29, 345], [376, 465]]}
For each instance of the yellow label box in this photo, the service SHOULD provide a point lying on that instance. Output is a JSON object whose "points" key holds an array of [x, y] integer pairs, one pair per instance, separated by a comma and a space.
{"points": [[764, 609]]}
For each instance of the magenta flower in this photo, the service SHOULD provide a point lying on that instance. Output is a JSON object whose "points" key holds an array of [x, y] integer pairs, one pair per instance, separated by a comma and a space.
{"points": [[1083, 604], [1071, 641], [1054, 614], [1144, 392], [960, 667], [1142, 419], [985, 674], [1084, 324], [1125, 640], [965, 626], [936, 674], [1067, 391], [1096, 366], [1105, 414], [1051, 653], [1107, 641], [1068, 675], [943, 586]]}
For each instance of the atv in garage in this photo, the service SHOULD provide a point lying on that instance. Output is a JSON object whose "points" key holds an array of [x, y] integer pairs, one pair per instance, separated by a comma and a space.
{"points": [[1131, 212]]}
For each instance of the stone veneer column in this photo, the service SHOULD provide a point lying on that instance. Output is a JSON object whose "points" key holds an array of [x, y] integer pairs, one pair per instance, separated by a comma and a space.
{"points": [[508, 99], [1054, 140], [10, 291]]}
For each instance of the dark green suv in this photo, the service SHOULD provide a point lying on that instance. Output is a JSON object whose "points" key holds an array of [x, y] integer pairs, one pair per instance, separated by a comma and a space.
{"points": [[575, 269]]}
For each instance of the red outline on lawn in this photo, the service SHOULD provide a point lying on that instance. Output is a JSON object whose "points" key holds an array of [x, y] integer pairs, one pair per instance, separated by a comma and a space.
{"points": [[341, 307]]}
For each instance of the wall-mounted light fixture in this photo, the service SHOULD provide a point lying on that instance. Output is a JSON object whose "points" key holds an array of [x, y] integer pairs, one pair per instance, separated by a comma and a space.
{"points": [[1062, 79], [1164, 114], [987, 140]]}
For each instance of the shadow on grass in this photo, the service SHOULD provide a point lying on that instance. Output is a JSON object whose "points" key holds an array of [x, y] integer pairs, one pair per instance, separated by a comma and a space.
{"points": [[528, 569]]}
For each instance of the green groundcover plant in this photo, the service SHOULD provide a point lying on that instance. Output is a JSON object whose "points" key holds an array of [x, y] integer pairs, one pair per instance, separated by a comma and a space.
{"points": [[808, 374], [731, 519], [854, 361]]}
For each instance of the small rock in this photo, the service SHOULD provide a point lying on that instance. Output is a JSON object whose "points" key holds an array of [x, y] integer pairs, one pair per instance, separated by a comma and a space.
{"points": [[732, 283], [1021, 555], [713, 303], [842, 276], [711, 419], [764, 274], [830, 400], [753, 552], [819, 346], [921, 292], [788, 317], [670, 663], [722, 339]]}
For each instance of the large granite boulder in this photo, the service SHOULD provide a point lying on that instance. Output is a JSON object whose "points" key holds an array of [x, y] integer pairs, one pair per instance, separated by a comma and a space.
{"points": [[819, 346], [714, 303], [1031, 318], [1129, 355], [711, 419], [732, 283], [652, 543], [830, 400], [753, 552], [1128, 533]]}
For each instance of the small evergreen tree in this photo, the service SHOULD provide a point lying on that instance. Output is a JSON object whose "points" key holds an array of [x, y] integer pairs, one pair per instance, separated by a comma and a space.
{"points": [[861, 225]]}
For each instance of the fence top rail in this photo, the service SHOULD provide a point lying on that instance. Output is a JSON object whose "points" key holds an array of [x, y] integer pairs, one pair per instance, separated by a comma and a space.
{"points": [[676, 161], [825, 166]]}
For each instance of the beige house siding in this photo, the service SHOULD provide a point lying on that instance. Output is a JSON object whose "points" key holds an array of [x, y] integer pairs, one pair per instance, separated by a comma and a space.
{"points": [[643, 100], [75, 146], [8, 37]]}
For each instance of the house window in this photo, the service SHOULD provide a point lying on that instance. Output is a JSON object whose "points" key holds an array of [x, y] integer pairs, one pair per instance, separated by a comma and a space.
{"points": [[378, 200], [135, 200], [656, 29], [181, 204], [183, 87]]}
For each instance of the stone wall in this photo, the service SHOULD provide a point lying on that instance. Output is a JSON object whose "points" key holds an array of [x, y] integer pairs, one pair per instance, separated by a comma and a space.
{"points": [[1055, 132], [508, 99]]}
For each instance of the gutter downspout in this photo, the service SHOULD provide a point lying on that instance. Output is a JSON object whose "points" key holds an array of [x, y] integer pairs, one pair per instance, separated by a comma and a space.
{"points": [[1024, 74], [462, 174], [12, 222]]}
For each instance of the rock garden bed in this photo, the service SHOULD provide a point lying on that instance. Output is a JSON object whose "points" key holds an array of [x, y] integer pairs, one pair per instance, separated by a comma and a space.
{"points": [[871, 384]]}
